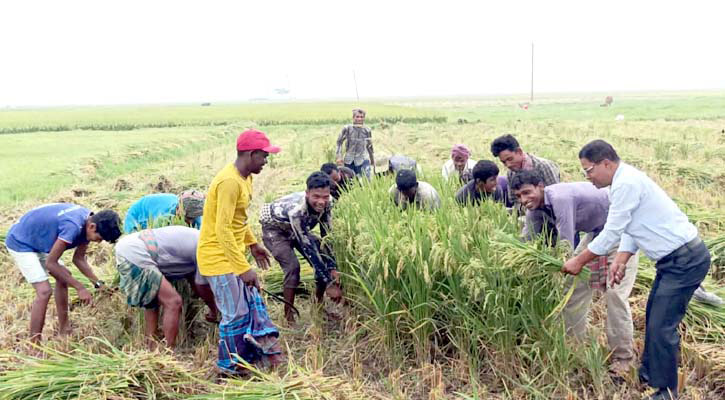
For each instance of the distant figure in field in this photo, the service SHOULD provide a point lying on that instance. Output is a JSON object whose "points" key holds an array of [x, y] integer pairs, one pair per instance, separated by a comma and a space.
{"points": [[607, 101], [408, 190], [36, 243], [459, 165], [158, 206], [358, 145]]}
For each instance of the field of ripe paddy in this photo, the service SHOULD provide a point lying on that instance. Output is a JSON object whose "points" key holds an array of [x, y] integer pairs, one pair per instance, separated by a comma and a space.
{"points": [[441, 306]]}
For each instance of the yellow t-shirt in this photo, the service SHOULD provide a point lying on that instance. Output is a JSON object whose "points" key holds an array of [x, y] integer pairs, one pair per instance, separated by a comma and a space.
{"points": [[225, 233]]}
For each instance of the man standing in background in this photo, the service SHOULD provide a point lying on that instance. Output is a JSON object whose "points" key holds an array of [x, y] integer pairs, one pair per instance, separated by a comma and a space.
{"points": [[358, 145]]}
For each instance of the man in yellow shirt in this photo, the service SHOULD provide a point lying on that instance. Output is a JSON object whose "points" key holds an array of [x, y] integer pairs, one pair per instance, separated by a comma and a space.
{"points": [[245, 329]]}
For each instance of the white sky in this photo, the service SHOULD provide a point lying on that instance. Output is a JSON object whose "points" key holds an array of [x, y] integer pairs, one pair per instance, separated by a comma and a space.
{"points": [[116, 52]]}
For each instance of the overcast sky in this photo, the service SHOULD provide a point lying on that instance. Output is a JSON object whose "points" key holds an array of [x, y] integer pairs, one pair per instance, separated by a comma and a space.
{"points": [[120, 52]]}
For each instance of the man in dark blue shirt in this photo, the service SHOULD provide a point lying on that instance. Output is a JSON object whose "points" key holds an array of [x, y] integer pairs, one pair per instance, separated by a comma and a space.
{"points": [[36, 243]]}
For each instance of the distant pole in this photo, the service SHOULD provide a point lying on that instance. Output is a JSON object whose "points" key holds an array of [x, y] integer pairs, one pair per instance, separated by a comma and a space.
{"points": [[354, 78], [532, 73]]}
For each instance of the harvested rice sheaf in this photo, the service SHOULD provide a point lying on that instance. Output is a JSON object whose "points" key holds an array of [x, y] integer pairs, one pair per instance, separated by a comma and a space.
{"points": [[113, 373]]}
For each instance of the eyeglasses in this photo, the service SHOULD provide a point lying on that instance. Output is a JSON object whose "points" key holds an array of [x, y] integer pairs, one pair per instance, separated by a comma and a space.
{"points": [[587, 171]]}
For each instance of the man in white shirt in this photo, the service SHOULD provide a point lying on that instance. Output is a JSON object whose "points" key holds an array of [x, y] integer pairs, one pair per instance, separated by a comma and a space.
{"points": [[645, 218], [409, 190], [459, 165]]}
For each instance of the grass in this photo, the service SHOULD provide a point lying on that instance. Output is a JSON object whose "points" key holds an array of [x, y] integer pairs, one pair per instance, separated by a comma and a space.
{"points": [[672, 106], [444, 305], [36, 165], [122, 118]]}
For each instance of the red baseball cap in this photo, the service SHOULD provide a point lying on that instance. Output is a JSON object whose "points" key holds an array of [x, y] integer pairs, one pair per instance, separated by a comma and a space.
{"points": [[255, 140]]}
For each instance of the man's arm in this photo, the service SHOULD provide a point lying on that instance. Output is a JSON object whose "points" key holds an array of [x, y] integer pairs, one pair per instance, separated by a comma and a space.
{"points": [[326, 224], [62, 274], [619, 267], [624, 201], [340, 140], [79, 259], [228, 192], [310, 250], [370, 150]]}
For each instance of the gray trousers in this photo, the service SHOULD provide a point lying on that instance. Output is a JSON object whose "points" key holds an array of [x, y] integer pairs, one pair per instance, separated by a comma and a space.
{"points": [[619, 315]]}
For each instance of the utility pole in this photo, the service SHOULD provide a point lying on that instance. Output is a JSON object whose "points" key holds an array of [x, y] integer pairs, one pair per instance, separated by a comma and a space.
{"points": [[532, 73], [354, 78]]}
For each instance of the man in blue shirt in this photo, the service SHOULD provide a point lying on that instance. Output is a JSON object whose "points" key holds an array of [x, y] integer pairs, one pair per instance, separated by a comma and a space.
{"points": [[644, 217], [159, 206], [485, 184], [36, 243]]}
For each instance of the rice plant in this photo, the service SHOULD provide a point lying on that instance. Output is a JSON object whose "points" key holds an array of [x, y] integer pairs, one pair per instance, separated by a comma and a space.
{"points": [[457, 281]]}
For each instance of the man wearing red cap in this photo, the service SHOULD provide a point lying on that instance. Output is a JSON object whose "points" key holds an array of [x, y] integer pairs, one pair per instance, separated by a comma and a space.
{"points": [[245, 328]]}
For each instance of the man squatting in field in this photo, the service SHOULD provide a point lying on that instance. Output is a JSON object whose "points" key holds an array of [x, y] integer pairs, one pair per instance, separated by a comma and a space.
{"points": [[642, 216], [397, 163], [147, 261], [164, 206], [341, 178], [245, 328], [36, 243], [460, 165], [569, 209], [358, 145], [287, 224], [408, 190], [485, 184], [508, 150]]}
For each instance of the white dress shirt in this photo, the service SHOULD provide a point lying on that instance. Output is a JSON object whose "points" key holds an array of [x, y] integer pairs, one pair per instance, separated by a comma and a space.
{"points": [[644, 216]]}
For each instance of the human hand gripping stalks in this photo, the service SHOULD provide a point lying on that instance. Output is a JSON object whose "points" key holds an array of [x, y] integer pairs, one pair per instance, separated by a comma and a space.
{"points": [[457, 282], [520, 253]]}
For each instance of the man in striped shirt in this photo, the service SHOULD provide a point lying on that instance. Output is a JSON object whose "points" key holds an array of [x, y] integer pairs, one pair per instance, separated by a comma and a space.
{"points": [[508, 150]]}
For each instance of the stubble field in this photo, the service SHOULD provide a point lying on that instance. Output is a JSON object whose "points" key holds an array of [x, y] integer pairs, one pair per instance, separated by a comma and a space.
{"points": [[440, 305]]}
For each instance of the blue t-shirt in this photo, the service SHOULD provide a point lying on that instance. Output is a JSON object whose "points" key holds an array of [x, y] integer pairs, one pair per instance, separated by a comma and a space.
{"points": [[150, 208], [39, 228]]}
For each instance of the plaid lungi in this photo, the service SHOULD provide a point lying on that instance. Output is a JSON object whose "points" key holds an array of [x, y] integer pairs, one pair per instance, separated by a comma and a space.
{"points": [[246, 330], [141, 285]]}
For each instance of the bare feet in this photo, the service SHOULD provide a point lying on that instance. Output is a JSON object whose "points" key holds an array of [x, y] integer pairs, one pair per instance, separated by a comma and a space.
{"points": [[65, 331]]}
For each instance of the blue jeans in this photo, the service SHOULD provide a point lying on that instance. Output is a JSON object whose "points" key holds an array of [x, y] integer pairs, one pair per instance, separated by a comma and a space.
{"points": [[678, 275], [362, 169]]}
